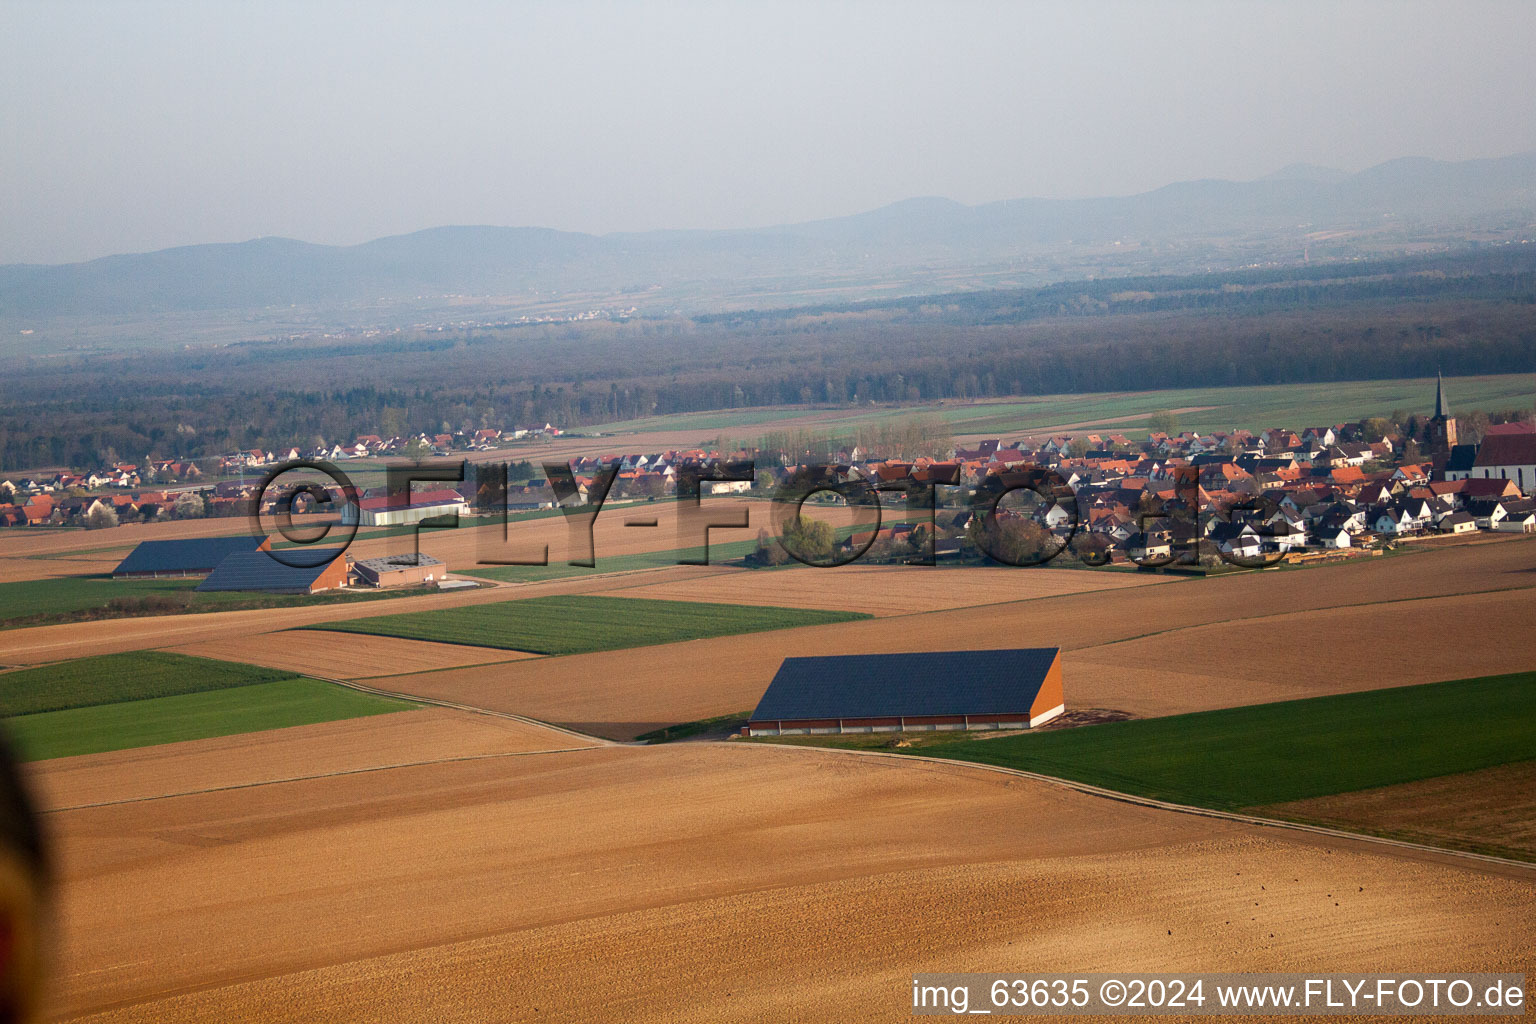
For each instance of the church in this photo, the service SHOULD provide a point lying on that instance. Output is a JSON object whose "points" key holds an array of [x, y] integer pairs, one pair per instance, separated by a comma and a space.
{"points": [[1508, 450]]}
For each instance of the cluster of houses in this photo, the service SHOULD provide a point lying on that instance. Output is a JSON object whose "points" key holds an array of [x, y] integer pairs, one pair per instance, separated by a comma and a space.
{"points": [[366, 446], [149, 490], [1247, 495]]}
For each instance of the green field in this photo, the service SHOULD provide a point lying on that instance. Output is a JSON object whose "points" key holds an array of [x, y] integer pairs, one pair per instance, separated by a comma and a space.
{"points": [[578, 623], [1286, 405], [717, 420], [190, 716], [1271, 753], [112, 678]]}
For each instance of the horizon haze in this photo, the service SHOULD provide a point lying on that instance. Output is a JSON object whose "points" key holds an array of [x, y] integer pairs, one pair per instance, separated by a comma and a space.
{"points": [[140, 127]]}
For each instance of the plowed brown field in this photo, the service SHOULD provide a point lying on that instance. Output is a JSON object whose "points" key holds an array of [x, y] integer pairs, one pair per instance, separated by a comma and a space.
{"points": [[702, 882], [303, 751], [1309, 654], [888, 589], [1493, 810], [345, 655]]}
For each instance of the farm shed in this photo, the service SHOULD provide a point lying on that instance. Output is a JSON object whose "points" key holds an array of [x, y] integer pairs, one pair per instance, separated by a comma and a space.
{"points": [[398, 570], [398, 510], [931, 690], [197, 556], [260, 572]]}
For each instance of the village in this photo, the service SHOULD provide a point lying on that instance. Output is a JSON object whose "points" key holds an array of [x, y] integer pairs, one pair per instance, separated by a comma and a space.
{"points": [[1338, 491]]}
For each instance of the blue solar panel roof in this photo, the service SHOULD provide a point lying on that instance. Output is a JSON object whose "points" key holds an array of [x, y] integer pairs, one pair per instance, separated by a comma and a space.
{"points": [[196, 554], [911, 685], [258, 570]]}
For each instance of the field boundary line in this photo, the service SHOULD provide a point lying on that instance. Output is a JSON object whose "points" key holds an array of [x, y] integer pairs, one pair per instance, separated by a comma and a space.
{"points": [[1168, 805], [339, 773], [600, 741]]}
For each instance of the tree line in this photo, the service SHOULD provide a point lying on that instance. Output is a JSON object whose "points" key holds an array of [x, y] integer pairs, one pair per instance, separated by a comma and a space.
{"points": [[1396, 319]]}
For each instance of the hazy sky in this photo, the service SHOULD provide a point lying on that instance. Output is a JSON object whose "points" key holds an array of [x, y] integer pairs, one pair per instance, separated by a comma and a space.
{"points": [[132, 126]]}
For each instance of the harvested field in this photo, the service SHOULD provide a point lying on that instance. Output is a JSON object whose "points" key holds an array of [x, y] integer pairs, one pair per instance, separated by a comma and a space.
{"points": [[345, 655], [1489, 811], [303, 751], [1203, 644], [530, 888], [891, 589]]}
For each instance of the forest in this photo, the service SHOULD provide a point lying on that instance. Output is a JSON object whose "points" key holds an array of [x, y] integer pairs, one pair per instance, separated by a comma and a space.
{"points": [[1468, 312]]}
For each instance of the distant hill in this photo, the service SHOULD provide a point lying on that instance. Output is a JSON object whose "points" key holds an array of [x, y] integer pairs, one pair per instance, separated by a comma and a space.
{"points": [[903, 245]]}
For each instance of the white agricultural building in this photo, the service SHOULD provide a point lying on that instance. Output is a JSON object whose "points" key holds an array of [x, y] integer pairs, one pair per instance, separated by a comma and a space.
{"points": [[398, 510]]}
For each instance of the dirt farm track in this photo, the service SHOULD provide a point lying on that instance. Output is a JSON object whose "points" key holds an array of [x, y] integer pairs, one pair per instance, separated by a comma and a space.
{"points": [[443, 865]]}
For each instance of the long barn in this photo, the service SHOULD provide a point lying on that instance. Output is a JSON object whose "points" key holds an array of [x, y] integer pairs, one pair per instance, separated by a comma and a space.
{"points": [[931, 690], [191, 556]]}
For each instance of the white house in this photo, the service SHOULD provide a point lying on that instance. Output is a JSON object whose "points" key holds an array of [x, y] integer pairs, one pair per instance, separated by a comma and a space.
{"points": [[1517, 522], [1331, 538], [1455, 523]]}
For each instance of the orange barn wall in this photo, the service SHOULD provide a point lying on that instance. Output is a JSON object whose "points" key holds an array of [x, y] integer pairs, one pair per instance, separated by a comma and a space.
{"points": [[1050, 694], [333, 576]]}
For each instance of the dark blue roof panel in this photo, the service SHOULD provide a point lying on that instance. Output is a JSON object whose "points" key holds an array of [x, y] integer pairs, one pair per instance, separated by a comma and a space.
{"points": [[196, 554], [258, 570], [911, 685]]}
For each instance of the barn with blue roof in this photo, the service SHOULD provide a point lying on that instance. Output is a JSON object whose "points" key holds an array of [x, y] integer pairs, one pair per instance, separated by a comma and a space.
{"points": [[261, 572], [926, 691], [192, 556]]}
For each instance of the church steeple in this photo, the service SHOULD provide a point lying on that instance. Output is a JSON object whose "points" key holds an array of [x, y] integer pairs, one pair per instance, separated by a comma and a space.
{"points": [[1441, 432]]}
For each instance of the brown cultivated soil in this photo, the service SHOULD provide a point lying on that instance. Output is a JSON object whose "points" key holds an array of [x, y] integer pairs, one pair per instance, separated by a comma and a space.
{"points": [[303, 751], [703, 882], [16, 569], [345, 655], [1190, 645], [1309, 654], [890, 589], [1489, 811]]}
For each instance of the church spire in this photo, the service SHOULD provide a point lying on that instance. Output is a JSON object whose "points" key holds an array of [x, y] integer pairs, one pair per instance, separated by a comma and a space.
{"points": [[1440, 411]]}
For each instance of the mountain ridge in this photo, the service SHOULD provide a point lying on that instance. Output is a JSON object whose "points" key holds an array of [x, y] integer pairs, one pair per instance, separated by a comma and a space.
{"points": [[905, 240]]}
